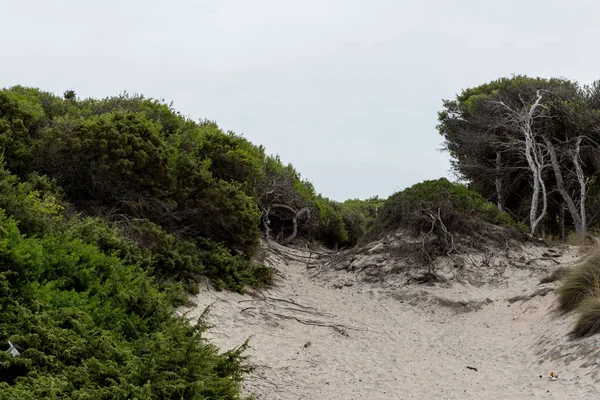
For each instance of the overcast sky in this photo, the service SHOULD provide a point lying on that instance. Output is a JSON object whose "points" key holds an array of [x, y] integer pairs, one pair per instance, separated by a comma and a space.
{"points": [[346, 90]]}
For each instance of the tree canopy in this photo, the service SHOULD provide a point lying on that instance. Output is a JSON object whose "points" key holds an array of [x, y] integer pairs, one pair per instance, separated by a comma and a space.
{"points": [[529, 144]]}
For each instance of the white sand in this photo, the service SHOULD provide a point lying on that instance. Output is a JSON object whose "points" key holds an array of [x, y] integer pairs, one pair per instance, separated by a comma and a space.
{"points": [[385, 342]]}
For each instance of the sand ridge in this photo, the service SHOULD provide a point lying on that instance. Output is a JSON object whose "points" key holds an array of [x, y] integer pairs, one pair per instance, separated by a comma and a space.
{"points": [[326, 336]]}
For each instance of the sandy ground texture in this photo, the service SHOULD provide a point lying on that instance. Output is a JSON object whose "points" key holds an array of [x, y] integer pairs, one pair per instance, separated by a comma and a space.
{"points": [[327, 333]]}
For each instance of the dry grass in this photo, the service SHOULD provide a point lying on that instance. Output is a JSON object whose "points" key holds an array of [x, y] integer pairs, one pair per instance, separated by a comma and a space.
{"points": [[579, 283], [574, 239], [588, 323]]}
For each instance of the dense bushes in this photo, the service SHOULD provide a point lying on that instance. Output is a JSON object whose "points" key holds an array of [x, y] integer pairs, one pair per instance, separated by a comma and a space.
{"points": [[454, 205], [129, 159], [359, 218], [445, 216], [89, 321], [106, 158]]}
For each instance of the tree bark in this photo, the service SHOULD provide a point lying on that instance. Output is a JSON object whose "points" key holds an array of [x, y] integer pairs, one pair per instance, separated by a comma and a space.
{"points": [[267, 224], [561, 221], [523, 120], [499, 196], [582, 186], [577, 213], [535, 161], [297, 214], [288, 240]]}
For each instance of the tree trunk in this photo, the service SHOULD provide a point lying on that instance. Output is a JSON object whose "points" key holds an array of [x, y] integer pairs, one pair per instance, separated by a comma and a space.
{"points": [[523, 120], [582, 187], [561, 221], [535, 160], [288, 240], [499, 196], [536, 165], [267, 223], [577, 213]]}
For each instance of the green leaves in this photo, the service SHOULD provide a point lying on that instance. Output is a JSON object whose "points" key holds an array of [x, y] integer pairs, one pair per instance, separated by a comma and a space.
{"points": [[412, 208], [93, 327]]}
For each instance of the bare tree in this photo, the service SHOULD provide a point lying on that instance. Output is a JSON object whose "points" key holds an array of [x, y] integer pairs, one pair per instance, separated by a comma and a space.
{"points": [[498, 181], [279, 200], [295, 215], [522, 119], [577, 211], [531, 146]]}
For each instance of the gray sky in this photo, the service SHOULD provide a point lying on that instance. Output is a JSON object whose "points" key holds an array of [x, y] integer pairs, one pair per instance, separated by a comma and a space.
{"points": [[347, 91]]}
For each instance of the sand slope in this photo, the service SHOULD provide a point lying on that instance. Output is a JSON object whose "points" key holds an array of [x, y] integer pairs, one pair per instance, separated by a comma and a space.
{"points": [[330, 336]]}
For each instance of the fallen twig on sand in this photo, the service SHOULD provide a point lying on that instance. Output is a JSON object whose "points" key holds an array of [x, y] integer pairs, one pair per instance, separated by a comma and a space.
{"points": [[365, 267], [341, 329], [291, 302], [539, 292], [542, 259]]}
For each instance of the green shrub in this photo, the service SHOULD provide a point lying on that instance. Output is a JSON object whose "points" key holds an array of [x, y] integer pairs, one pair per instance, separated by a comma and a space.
{"points": [[93, 327], [230, 271], [108, 158], [331, 229], [37, 204], [454, 204], [170, 121], [127, 159], [232, 158], [21, 116], [359, 217]]}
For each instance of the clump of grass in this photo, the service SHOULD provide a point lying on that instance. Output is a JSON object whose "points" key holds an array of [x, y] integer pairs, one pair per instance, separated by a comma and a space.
{"points": [[588, 323], [579, 283], [557, 275]]}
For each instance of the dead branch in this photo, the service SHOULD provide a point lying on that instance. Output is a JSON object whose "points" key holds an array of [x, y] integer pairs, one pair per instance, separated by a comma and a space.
{"points": [[540, 292], [291, 302], [542, 259], [341, 329]]}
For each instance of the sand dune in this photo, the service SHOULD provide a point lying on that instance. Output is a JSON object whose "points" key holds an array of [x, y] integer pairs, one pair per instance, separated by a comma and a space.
{"points": [[330, 335]]}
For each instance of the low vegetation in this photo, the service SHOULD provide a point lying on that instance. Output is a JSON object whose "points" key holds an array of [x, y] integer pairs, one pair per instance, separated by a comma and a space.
{"points": [[443, 216], [79, 300], [579, 283], [580, 292], [588, 323], [440, 204]]}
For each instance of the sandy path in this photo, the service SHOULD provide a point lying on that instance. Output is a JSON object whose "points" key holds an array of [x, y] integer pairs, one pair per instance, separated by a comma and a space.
{"points": [[373, 346]]}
